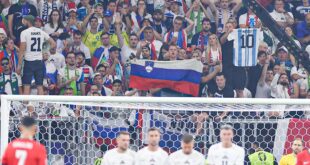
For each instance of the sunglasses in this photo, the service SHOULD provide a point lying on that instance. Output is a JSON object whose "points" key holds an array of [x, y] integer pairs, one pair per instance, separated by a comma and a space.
{"points": [[5, 64]]}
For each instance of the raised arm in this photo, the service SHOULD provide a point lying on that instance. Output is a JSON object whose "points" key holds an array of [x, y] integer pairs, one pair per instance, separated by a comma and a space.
{"points": [[118, 31], [262, 78], [86, 19], [210, 76], [189, 27], [237, 6]]}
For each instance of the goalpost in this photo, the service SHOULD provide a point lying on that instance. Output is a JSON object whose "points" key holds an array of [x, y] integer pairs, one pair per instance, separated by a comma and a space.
{"points": [[79, 129]]}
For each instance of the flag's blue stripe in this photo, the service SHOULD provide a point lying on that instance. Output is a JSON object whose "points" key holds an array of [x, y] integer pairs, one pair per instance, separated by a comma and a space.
{"points": [[254, 48], [166, 74], [239, 47], [107, 132]]}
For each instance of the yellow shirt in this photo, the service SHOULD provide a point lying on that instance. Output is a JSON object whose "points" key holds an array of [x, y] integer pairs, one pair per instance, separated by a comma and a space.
{"points": [[114, 39], [92, 41], [289, 159]]}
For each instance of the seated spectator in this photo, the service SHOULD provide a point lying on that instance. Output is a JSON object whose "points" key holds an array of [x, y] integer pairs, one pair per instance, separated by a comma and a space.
{"points": [[263, 89], [303, 30], [10, 82], [281, 16], [71, 76], [283, 58]]}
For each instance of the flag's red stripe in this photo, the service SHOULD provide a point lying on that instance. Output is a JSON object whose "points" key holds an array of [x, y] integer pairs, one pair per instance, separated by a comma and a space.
{"points": [[180, 86]]}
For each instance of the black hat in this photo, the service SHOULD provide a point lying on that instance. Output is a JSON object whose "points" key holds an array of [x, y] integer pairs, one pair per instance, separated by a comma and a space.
{"points": [[117, 81], [64, 36], [114, 48]]}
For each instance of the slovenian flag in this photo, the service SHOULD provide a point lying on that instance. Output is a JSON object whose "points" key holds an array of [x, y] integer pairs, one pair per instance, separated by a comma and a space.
{"points": [[181, 76]]}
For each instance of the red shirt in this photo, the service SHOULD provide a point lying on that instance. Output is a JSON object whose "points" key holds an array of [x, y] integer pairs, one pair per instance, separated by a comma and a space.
{"points": [[303, 158], [26, 152]]}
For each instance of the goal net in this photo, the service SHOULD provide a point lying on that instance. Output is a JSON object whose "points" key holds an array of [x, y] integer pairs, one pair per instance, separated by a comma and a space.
{"points": [[79, 130]]}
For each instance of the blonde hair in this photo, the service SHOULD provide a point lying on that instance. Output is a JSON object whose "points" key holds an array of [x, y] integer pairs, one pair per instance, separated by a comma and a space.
{"points": [[208, 50]]}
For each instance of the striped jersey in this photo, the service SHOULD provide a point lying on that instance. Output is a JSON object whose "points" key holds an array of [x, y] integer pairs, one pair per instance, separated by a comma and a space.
{"points": [[246, 42]]}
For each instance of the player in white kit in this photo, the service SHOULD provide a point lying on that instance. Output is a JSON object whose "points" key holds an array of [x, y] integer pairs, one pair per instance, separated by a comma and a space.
{"points": [[31, 48], [152, 154], [121, 155], [187, 155], [225, 152]]}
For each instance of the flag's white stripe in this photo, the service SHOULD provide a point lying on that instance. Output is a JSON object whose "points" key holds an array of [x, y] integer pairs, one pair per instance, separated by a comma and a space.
{"points": [[192, 64]]}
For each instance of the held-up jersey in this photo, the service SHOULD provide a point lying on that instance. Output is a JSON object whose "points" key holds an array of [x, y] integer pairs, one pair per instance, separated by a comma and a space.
{"points": [[34, 38], [246, 42]]}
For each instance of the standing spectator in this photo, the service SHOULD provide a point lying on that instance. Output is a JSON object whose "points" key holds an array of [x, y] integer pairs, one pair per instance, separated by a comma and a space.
{"points": [[139, 15], [83, 9], [293, 85], [303, 30], [213, 52], [290, 159], [178, 35], [108, 22], [200, 39], [54, 27], [50, 75], [78, 46], [86, 69], [71, 76], [280, 84], [116, 68], [101, 54], [45, 8], [280, 15], [38, 23], [10, 52], [249, 20], [263, 89], [124, 31], [16, 14], [107, 79], [102, 89], [302, 10], [31, 54], [5, 10], [154, 44], [57, 59], [158, 25], [255, 72], [10, 82], [91, 37]]}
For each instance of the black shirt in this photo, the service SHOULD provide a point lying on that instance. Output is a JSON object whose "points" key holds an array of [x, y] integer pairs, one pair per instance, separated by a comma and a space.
{"points": [[254, 74], [226, 92], [19, 10], [227, 53], [195, 40]]}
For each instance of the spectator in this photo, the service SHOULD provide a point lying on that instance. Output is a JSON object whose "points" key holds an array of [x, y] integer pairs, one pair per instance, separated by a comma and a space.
{"points": [[178, 35], [290, 159], [71, 76], [289, 32], [2, 38], [102, 89], [54, 27], [146, 52], [101, 54], [249, 20], [91, 37], [158, 25], [45, 9], [213, 52], [124, 34], [116, 68], [30, 111], [281, 16], [138, 16], [163, 53], [154, 44], [93, 89], [50, 75], [38, 23], [10, 52], [302, 10], [78, 46], [303, 30], [293, 86], [57, 59], [284, 59], [280, 84], [99, 14], [223, 90], [10, 82], [263, 89], [117, 88], [182, 54], [200, 39], [108, 21], [63, 43], [16, 13], [107, 79], [86, 69], [82, 10]]}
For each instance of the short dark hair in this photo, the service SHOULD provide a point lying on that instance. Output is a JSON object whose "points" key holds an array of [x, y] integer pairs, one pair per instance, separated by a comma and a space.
{"points": [[178, 18], [148, 28], [261, 53], [111, 1], [28, 121], [104, 33], [123, 133], [117, 81], [187, 138], [71, 52], [78, 33], [93, 17], [220, 74], [100, 66], [172, 45], [153, 129], [206, 20], [133, 34], [80, 54]]}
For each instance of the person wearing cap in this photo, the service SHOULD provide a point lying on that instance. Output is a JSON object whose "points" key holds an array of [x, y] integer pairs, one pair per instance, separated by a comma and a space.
{"points": [[284, 58], [71, 76], [15, 17], [139, 15], [178, 35], [30, 55], [116, 68], [91, 37], [102, 89]]}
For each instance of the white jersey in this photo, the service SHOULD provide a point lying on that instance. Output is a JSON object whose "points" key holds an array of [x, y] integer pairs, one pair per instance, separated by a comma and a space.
{"points": [[34, 38], [147, 157], [246, 42], [113, 157], [179, 158], [218, 155]]}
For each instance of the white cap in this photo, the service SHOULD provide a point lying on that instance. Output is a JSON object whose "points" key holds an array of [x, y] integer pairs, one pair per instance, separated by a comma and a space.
{"points": [[294, 71]]}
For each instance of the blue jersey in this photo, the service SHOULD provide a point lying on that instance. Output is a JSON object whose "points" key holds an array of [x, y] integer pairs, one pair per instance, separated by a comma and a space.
{"points": [[246, 42]]}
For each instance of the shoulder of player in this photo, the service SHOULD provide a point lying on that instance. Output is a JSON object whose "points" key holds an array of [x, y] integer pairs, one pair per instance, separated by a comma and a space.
{"points": [[239, 148], [215, 146], [198, 154], [176, 154]]}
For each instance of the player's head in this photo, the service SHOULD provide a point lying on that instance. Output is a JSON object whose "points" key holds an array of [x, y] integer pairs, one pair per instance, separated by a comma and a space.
{"points": [[122, 140], [28, 20], [187, 143], [28, 127], [226, 134], [298, 145], [153, 136]]}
